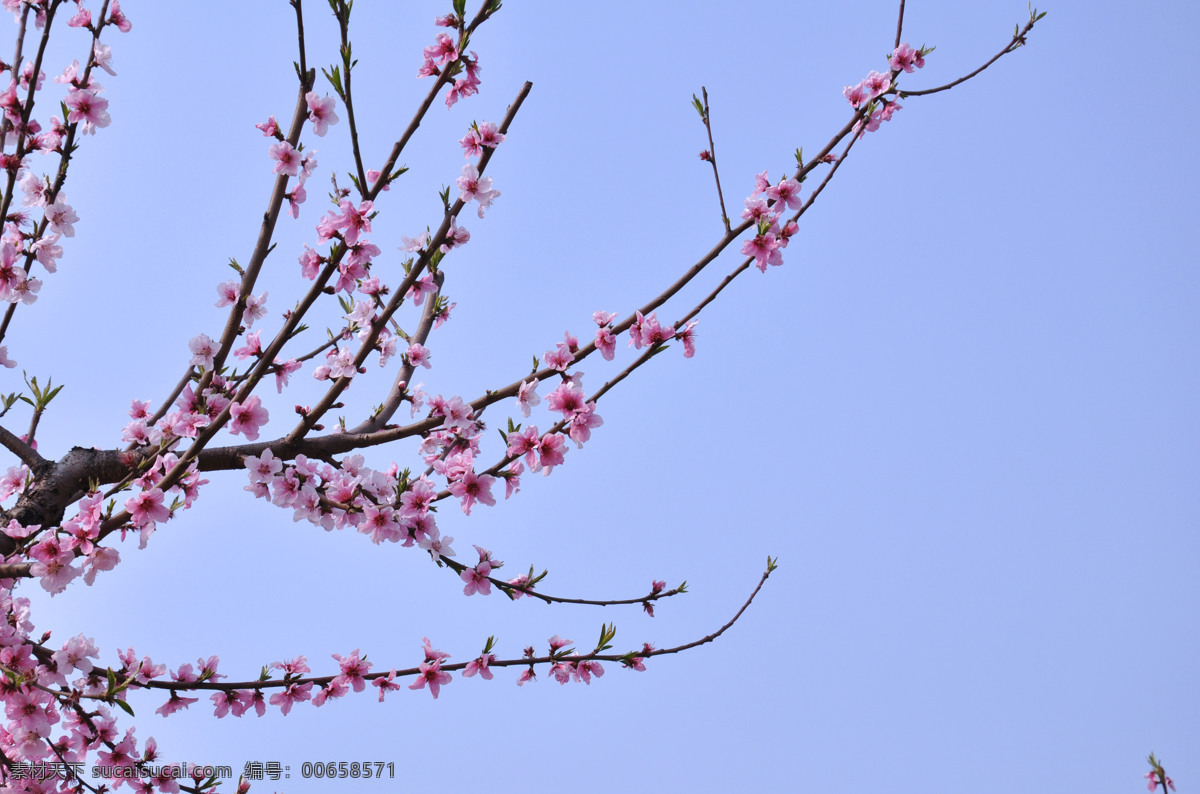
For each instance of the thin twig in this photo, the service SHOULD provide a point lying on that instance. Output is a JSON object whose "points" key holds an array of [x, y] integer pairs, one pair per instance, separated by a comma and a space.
{"points": [[712, 158], [1017, 40], [186, 686]]}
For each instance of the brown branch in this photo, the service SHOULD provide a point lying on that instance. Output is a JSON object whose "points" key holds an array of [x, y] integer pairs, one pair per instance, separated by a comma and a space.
{"points": [[341, 384], [1018, 39], [191, 686], [21, 449], [712, 158]]}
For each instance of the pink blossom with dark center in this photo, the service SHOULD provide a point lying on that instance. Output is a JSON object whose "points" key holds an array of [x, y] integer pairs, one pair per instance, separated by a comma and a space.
{"points": [[320, 112]]}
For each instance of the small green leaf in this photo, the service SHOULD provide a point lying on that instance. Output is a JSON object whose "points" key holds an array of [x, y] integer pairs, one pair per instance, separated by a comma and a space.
{"points": [[123, 706]]}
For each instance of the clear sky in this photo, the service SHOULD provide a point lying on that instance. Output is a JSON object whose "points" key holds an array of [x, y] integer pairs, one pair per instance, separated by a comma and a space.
{"points": [[962, 415]]}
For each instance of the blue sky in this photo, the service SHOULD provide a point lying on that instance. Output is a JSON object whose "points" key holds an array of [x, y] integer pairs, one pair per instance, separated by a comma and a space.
{"points": [[962, 414]]}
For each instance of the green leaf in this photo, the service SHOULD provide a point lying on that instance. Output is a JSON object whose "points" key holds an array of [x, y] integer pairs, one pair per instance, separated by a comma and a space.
{"points": [[334, 76], [123, 706]]}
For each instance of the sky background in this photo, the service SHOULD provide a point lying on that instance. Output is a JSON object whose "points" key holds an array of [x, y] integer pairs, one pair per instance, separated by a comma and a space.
{"points": [[962, 415]]}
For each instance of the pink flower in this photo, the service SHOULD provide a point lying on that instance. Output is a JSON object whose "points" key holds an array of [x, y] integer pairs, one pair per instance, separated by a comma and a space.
{"points": [[320, 112], [101, 55], [525, 442], [489, 135], [334, 689], [295, 198], [585, 670], [786, 194], [472, 488], [582, 423], [443, 51], [55, 571], [905, 57], [687, 335], [174, 704], [877, 83], [13, 482], [1155, 782], [476, 188], [764, 249], [420, 288], [477, 579], [227, 294], [560, 358], [291, 694], [47, 250], [418, 355], [437, 545], [386, 684], [756, 210], [116, 17], [353, 669], [480, 666], [512, 478], [341, 363], [354, 220], [203, 349], [247, 417], [552, 449], [566, 399], [373, 177], [147, 507], [269, 128], [455, 236], [61, 217], [288, 158], [284, 371], [256, 308], [237, 701], [470, 143], [431, 673], [856, 96], [86, 106], [527, 396], [412, 245], [521, 581]]}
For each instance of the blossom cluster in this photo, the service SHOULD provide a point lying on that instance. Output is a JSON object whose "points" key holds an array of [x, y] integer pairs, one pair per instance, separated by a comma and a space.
{"points": [[86, 111], [871, 90], [47, 689], [765, 207], [445, 53]]}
